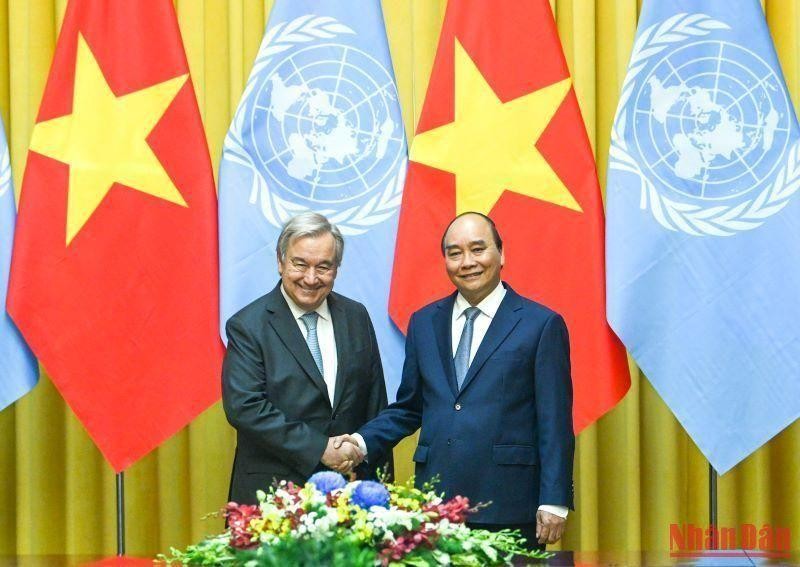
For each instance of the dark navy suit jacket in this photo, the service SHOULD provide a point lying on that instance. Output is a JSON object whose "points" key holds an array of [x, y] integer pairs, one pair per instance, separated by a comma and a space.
{"points": [[506, 437]]}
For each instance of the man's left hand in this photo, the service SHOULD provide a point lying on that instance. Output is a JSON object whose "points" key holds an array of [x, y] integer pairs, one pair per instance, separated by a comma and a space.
{"points": [[549, 527]]}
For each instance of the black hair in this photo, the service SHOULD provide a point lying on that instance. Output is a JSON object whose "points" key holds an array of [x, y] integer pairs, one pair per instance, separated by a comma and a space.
{"points": [[498, 242]]}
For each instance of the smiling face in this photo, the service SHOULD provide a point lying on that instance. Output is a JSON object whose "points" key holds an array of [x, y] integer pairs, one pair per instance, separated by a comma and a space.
{"points": [[472, 258], [309, 270]]}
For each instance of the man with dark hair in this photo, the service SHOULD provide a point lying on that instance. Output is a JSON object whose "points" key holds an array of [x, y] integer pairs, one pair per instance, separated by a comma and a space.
{"points": [[487, 378], [498, 242], [302, 366]]}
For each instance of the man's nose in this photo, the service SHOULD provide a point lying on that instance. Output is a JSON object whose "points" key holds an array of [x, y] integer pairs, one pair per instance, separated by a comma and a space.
{"points": [[310, 276], [468, 260]]}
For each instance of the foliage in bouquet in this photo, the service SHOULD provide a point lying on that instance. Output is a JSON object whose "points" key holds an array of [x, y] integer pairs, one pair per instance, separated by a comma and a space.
{"points": [[311, 552], [332, 522]]}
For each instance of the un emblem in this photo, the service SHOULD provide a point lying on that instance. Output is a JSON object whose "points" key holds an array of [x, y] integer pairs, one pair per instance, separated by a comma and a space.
{"points": [[321, 128], [708, 127]]}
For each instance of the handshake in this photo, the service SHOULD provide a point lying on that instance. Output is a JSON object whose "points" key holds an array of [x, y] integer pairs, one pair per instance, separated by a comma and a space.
{"points": [[342, 454]]}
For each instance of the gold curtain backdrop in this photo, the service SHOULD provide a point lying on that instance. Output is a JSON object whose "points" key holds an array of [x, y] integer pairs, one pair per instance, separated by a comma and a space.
{"points": [[636, 470]]}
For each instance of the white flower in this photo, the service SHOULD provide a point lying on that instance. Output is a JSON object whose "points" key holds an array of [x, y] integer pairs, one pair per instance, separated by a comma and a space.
{"points": [[349, 487], [316, 524], [267, 537], [268, 507], [387, 518]]}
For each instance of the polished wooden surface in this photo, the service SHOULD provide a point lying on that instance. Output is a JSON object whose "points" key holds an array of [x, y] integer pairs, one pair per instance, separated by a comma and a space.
{"points": [[561, 558]]}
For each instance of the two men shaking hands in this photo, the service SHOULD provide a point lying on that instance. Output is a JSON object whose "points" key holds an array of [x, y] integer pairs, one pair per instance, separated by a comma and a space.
{"points": [[342, 454], [486, 377]]}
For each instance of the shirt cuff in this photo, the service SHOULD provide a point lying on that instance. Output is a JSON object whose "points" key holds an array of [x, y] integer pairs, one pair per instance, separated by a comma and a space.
{"points": [[361, 445], [560, 511]]}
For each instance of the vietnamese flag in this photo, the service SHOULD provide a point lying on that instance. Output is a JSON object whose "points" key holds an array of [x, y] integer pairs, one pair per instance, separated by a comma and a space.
{"points": [[114, 271], [501, 134]]}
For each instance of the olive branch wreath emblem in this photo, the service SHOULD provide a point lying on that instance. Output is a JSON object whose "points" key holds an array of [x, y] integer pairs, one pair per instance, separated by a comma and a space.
{"points": [[721, 220], [351, 221]]}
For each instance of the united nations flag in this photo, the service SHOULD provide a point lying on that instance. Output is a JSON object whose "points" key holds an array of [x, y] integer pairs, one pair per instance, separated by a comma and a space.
{"points": [[703, 219], [19, 371], [318, 128]]}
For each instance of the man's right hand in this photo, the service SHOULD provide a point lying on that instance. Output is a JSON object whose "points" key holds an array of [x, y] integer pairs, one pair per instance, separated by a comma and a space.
{"points": [[346, 438], [341, 455]]}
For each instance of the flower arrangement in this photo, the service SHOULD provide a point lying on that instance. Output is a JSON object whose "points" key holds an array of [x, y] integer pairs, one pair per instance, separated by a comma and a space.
{"points": [[362, 523]]}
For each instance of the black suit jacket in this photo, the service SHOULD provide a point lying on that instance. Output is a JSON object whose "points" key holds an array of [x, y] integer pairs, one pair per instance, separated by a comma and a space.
{"points": [[276, 398]]}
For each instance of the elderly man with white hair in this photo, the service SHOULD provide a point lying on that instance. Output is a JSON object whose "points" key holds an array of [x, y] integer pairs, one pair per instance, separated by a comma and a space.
{"points": [[302, 366]]}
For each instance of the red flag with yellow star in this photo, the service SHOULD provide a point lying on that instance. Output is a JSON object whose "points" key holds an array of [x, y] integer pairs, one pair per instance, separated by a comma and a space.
{"points": [[501, 134], [114, 274]]}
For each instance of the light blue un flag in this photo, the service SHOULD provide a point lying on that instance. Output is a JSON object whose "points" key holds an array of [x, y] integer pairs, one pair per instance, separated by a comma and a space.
{"points": [[18, 369], [318, 128], [703, 223]]}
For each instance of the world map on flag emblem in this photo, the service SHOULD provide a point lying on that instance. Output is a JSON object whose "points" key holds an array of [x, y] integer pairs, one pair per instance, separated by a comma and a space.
{"points": [[707, 127], [330, 136], [711, 121]]}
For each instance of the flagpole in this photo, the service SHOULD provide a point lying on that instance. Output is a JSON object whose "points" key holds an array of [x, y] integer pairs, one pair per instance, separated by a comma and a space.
{"points": [[712, 504], [120, 514]]}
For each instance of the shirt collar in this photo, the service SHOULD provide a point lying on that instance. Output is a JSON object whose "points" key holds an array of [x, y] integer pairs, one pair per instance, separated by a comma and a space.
{"points": [[489, 305], [298, 312]]}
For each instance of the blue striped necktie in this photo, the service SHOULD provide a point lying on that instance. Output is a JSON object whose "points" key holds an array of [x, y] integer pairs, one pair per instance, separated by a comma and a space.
{"points": [[461, 359], [310, 321]]}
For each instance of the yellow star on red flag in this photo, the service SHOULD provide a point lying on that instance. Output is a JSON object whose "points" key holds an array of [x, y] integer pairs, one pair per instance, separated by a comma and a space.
{"points": [[104, 140], [491, 145]]}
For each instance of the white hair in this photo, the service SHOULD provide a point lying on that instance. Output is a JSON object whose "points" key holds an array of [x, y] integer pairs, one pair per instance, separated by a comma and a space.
{"points": [[309, 224]]}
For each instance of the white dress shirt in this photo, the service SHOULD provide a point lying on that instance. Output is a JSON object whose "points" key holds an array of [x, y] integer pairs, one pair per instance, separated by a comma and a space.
{"points": [[327, 342], [488, 309]]}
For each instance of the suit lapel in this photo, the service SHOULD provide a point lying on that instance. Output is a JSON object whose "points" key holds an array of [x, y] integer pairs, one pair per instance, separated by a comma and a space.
{"points": [[341, 335], [443, 331], [501, 326], [288, 331]]}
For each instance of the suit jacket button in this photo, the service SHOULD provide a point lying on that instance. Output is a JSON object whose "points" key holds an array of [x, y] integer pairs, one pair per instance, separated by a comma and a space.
{"points": [[449, 441], [458, 407]]}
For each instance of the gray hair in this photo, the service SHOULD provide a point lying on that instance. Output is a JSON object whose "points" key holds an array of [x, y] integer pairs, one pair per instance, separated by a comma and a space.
{"points": [[309, 224]]}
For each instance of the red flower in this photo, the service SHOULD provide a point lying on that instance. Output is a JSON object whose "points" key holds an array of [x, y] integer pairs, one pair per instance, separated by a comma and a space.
{"points": [[295, 518], [407, 543], [238, 517], [456, 510], [330, 500]]}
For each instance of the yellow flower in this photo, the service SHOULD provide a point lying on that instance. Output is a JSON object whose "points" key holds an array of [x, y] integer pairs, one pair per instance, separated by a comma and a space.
{"points": [[342, 514], [362, 528], [343, 508], [408, 504], [306, 495], [364, 533], [270, 522]]}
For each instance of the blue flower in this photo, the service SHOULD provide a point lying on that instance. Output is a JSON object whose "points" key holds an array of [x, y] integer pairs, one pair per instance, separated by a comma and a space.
{"points": [[327, 481], [370, 493]]}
